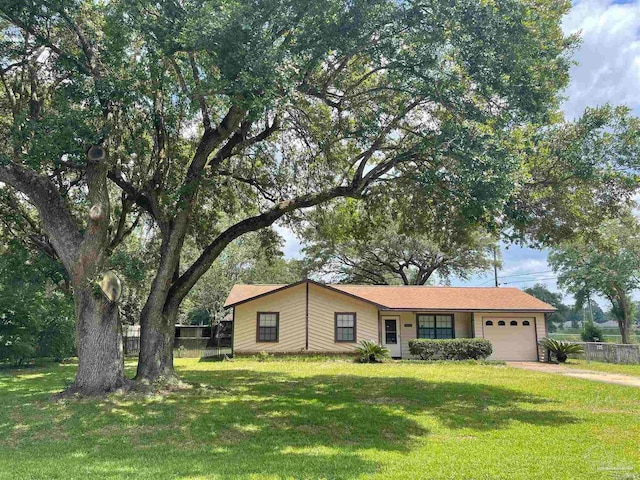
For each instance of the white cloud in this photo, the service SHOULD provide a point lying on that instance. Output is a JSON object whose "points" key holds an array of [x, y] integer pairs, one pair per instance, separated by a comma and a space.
{"points": [[527, 265], [608, 59], [292, 247]]}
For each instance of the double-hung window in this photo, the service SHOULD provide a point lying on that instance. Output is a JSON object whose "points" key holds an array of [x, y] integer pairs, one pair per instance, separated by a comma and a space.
{"points": [[345, 325], [435, 326], [268, 326]]}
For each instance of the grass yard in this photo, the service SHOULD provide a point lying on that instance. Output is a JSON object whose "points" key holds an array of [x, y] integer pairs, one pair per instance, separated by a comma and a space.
{"points": [[604, 367], [291, 419]]}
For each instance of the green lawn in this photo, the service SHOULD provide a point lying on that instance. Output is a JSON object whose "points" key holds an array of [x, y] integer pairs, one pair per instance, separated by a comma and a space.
{"points": [[289, 419], [604, 367]]}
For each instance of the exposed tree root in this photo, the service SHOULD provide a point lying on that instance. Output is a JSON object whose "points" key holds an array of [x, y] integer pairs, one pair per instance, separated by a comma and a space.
{"points": [[163, 386], [75, 391]]}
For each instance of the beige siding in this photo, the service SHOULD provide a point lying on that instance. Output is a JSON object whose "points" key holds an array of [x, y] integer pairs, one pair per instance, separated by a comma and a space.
{"points": [[477, 325], [463, 324], [409, 329], [323, 304], [290, 304]]}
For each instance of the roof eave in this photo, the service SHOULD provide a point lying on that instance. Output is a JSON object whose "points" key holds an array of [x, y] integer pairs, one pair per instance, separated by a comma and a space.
{"points": [[470, 310], [385, 307]]}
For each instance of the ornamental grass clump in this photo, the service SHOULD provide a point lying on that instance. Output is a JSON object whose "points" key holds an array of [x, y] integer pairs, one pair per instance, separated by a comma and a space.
{"points": [[561, 350], [372, 352]]}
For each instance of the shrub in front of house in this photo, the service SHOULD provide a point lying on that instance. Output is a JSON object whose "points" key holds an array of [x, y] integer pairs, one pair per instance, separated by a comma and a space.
{"points": [[451, 349]]}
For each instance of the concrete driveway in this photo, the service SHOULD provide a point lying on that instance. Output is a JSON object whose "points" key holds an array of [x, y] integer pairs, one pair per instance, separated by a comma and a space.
{"points": [[616, 378]]}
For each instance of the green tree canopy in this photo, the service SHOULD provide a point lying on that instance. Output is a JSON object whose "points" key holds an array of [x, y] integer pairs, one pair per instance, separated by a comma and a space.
{"points": [[214, 119], [607, 263], [561, 315], [392, 241]]}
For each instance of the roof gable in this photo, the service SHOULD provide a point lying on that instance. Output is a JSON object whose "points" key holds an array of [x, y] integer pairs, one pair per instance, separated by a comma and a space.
{"points": [[241, 293], [393, 297], [245, 293]]}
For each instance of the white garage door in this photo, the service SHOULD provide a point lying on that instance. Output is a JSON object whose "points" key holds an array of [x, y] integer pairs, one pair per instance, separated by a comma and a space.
{"points": [[512, 338]]}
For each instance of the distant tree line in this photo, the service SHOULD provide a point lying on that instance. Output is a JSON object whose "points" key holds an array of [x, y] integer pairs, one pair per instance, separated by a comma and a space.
{"points": [[576, 314]]}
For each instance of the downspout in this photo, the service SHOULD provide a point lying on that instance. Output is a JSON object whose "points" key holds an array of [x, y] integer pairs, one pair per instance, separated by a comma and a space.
{"points": [[473, 324], [233, 330], [306, 340], [546, 353]]}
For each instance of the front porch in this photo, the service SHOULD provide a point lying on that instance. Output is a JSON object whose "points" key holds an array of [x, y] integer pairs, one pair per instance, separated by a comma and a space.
{"points": [[432, 325]]}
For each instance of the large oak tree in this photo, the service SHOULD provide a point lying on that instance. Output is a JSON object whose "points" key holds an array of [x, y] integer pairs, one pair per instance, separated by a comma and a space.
{"points": [[393, 241], [214, 119]]}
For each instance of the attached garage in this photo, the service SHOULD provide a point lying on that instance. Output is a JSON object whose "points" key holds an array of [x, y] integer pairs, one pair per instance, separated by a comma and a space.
{"points": [[312, 317], [512, 338]]}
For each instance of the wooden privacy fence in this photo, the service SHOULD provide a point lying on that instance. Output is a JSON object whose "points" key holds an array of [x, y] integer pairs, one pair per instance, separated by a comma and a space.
{"points": [[194, 341], [611, 352], [199, 348], [184, 347]]}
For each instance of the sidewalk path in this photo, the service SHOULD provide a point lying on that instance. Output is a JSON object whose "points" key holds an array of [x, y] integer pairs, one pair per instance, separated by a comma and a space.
{"points": [[617, 378]]}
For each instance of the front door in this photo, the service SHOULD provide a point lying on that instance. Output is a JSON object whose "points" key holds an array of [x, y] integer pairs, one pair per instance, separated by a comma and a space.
{"points": [[391, 336]]}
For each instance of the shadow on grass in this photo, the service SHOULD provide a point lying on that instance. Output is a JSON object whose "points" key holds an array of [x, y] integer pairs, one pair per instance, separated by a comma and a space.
{"points": [[243, 422]]}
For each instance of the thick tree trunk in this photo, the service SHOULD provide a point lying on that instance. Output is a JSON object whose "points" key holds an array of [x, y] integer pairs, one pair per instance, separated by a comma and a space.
{"points": [[155, 363], [157, 324], [99, 340], [624, 323], [83, 254], [621, 306]]}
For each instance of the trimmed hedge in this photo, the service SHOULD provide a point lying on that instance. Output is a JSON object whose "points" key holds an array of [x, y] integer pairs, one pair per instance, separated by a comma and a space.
{"points": [[451, 349]]}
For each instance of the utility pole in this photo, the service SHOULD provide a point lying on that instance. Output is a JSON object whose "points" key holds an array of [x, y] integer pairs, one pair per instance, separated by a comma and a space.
{"points": [[495, 265]]}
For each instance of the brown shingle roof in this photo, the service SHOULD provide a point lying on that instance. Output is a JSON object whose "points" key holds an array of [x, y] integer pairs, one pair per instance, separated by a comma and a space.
{"points": [[240, 292], [417, 297]]}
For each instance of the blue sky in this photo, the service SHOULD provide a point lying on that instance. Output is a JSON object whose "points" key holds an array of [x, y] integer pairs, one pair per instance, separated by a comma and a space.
{"points": [[607, 71]]}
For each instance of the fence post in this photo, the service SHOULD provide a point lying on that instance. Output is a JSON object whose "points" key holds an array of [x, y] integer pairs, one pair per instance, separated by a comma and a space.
{"points": [[586, 352]]}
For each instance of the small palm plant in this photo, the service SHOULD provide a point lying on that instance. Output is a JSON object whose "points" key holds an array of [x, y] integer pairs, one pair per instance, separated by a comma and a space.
{"points": [[372, 352], [561, 349]]}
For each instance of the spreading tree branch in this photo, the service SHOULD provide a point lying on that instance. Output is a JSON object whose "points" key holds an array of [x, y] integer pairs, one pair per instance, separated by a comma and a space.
{"points": [[56, 219]]}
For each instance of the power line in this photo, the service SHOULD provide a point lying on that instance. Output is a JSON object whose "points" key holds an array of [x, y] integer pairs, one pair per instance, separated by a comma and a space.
{"points": [[516, 275], [495, 266], [530, 281], [524, 274]]}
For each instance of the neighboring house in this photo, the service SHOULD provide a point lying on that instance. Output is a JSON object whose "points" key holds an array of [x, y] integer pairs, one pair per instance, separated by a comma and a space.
{"points": [[311, 317]]}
